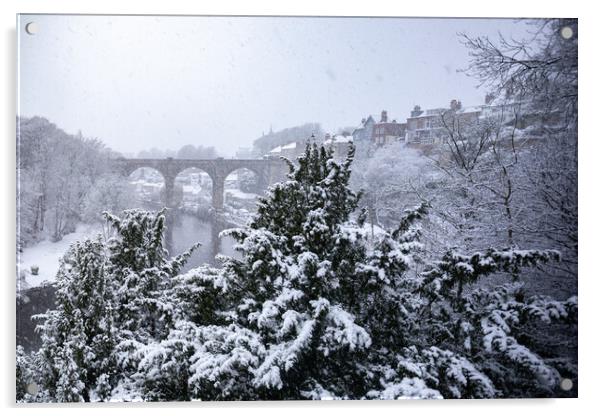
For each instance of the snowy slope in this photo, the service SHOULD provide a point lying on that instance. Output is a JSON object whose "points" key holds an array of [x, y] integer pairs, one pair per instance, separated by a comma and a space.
{"points": [[46, 255]]}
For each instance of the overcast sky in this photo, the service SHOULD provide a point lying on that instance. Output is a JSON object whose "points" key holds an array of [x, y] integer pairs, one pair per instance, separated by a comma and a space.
{"points": [[142, 82]]}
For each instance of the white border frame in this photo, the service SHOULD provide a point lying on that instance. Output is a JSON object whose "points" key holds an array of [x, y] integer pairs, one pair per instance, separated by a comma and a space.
{"points": [[590, 370]]}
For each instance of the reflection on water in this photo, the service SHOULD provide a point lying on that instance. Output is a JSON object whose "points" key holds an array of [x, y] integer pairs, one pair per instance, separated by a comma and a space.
{"points": [[187, 230]]}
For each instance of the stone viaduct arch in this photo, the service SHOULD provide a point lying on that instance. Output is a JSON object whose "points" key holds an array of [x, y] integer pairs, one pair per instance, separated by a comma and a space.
{"points": [[267, 170]]}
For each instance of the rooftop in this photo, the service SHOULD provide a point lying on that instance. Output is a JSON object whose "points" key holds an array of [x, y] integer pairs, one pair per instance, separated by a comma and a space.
{"points": [[339, 139]]}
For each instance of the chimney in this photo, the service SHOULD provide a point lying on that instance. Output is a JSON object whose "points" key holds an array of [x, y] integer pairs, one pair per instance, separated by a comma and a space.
{"points": [[455, 105], [416, 112], [489, 97], [363, 121], [383, 116]]}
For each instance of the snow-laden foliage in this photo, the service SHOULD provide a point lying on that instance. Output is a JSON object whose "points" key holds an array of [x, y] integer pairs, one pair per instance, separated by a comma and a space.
{"points": [[111, 300], [140, 270], [142, 277], [23, 374], [78, 337], [407, 388], [317, 306], [63, 180]]}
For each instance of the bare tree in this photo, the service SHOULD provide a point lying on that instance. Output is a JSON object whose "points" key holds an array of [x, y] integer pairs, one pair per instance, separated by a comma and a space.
{"points": [[540, 75]]}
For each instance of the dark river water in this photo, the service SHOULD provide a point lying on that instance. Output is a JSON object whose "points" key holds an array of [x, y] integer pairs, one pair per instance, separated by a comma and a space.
{"points": [[185, 229], [189, 229]]}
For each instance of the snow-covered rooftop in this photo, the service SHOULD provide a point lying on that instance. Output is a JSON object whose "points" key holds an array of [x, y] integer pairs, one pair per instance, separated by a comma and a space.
{"points": [[279, 149], [276, 149], [339, 139], [471, 109], [292, 145]]}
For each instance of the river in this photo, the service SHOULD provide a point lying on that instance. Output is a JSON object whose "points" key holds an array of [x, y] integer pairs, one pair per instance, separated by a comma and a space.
{"points": [[189, 229]]}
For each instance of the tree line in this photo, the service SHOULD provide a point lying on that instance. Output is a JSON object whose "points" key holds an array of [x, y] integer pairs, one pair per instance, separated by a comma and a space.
{"points": [[63, 179], [188, 151]]}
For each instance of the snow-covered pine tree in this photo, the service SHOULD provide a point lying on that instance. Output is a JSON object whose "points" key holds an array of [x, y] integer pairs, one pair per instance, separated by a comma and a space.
{"points": [[485, 326], [284, 324], [113, 303], [497, 330], [75, 362], [317, 308], [141, 274], [23, 374], [136, 260]]}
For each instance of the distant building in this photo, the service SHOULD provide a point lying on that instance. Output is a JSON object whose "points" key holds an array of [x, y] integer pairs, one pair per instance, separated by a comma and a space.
{"points": [[362, 137], [386, 132], [340, 144], [371, 134], [275, 152], [424, 126], [428, 127], [290, 150]]}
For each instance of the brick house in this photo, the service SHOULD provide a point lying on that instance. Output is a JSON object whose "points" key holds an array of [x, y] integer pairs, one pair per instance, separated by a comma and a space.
{"points": [[386, 132]]}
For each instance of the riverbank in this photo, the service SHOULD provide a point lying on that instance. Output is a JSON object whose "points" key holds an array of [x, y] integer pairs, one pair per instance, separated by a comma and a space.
{"points": [[46, 255]]}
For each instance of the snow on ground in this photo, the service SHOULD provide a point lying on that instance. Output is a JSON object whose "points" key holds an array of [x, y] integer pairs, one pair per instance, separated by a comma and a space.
{"points": [[46, 255]]}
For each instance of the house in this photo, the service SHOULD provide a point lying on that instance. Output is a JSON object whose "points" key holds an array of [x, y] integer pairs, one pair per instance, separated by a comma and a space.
{"points": [[340, 145], [290, 150], [371, 134], [386, 132], [362, 137], [275, 152], [428, 127], [424, 126]]}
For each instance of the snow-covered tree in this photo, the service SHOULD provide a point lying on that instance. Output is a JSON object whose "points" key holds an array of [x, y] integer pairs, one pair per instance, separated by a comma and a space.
{"points": [[390, 181], [538, 76], [76, 362], [110, 193], [141, 274], [316, 307], [56, 172], [262, 323], [142, 278], [24, 374], [111, 300]]}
